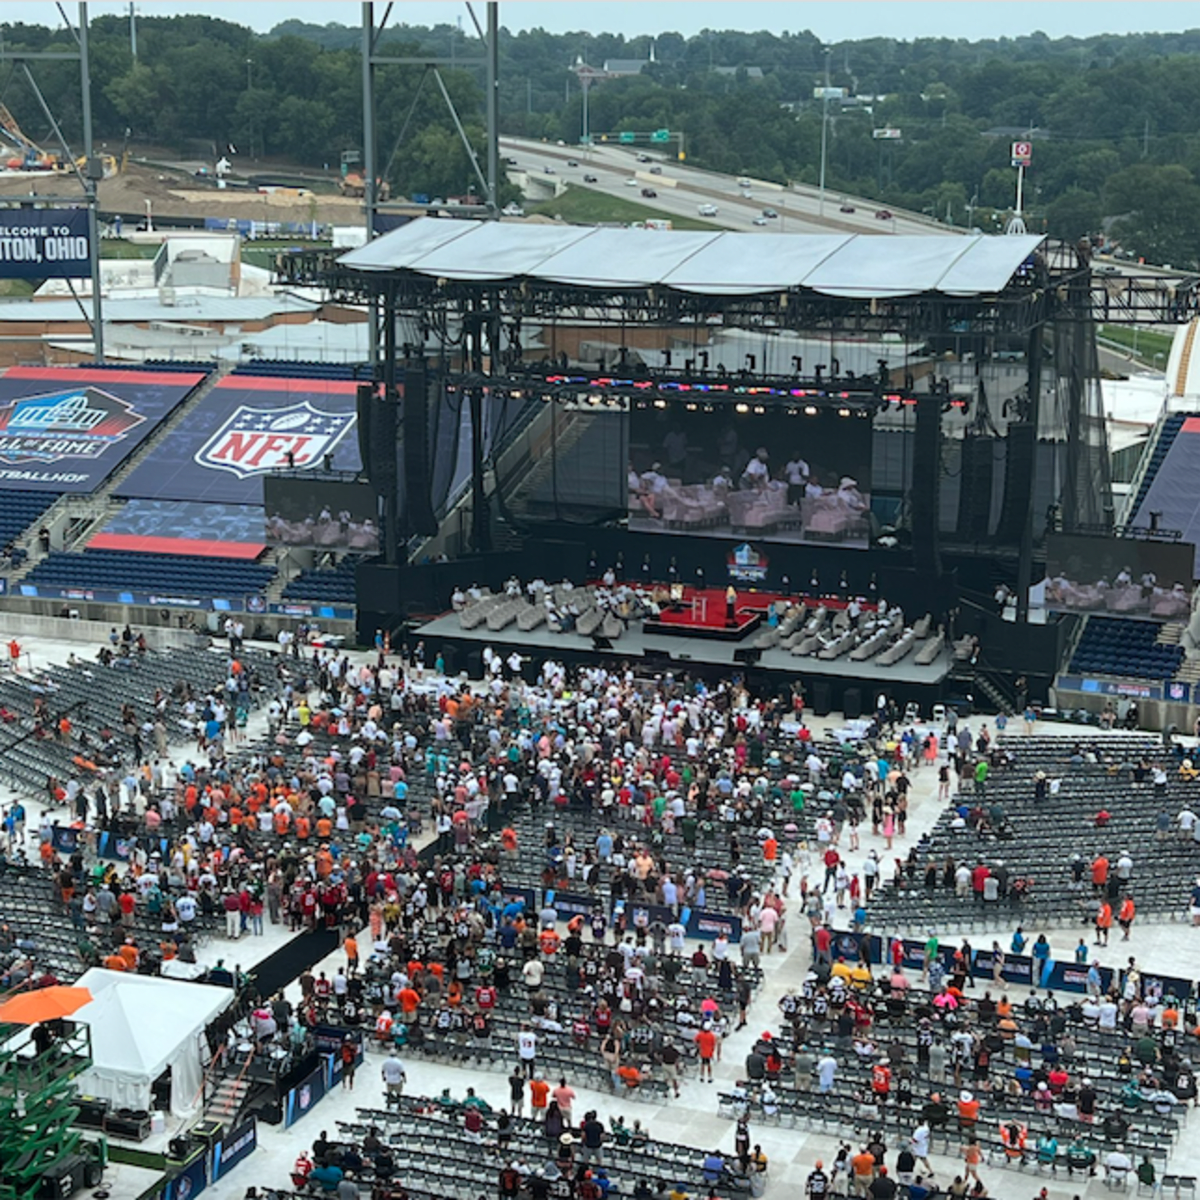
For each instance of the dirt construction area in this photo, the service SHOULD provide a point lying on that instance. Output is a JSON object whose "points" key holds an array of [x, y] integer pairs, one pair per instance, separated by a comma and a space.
{"points": [[173, 195]]}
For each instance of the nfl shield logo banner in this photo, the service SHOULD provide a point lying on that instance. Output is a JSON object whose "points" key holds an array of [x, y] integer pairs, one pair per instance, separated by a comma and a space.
{"points": [[253, 441]]}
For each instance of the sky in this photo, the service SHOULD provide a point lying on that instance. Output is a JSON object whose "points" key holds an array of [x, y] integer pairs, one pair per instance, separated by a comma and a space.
{"points": [[831, 20]]}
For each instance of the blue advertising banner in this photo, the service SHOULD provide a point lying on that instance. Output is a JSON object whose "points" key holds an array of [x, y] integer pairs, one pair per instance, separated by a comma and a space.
{"points": [[305, 1095], [570, 904], [46, 243], [245, 428], [50, 591], [703, 923], [65, 838], [190, 1182], [328, 612], [236, 1145], [66, 429]]}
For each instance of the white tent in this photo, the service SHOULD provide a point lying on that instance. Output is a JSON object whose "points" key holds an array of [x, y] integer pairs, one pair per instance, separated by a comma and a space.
{"points": [[140, 1026]]}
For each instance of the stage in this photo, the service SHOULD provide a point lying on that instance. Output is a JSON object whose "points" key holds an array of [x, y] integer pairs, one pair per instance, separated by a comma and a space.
{"points": [[685, 650]]}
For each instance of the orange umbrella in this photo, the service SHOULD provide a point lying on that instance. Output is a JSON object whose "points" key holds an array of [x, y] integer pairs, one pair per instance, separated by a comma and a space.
{"points": [[43, 1004]]}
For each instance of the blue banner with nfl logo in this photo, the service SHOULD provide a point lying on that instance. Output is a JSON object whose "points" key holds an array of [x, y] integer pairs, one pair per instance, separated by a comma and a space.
{"points": [[44, 243], [245, 428]]}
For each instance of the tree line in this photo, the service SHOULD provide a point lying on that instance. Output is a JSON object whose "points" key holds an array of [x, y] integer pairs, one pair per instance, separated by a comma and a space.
{"points": [[1112, 119]]}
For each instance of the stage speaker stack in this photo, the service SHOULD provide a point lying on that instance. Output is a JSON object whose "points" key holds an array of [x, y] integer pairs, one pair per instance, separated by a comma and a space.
{"points": [[418, 486], [748, 655], [1021, 444], [975, 487], [852, 704], [926, 487], [822, 698]]}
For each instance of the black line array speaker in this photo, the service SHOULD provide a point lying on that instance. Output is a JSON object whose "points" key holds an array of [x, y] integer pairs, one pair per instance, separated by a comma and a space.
{"points": [[822, 698], [365, 403], [1018, 480], [975, 492], [926, 486], [418, 486], [852, 703]]}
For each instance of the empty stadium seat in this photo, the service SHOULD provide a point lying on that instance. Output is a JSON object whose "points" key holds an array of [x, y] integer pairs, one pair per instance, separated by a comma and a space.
{"points": [[291, 369], [332, 585], [19, 510], [121, 570], [1111, 646], [1170, 428]]}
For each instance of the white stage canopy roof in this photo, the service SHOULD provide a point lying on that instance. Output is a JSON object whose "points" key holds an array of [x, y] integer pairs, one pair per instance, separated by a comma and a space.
{"points": [[856, 266]]}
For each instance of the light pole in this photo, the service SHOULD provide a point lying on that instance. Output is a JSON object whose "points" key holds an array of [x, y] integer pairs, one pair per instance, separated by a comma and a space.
{"points": [[249, 88], [824, 131]]}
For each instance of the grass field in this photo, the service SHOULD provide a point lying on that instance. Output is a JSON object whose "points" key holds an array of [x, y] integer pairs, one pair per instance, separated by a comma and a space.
{"points": [[263, 251], [1144, 344], [582, 206], [119, 248]]}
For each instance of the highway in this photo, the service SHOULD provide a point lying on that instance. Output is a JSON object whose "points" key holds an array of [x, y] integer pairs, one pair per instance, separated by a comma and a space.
{"points": [[682, 190]]}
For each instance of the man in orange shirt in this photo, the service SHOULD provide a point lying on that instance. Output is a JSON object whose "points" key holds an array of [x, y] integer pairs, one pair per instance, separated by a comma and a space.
{"points": [[350, 945], [706, 1046], [539, 1093], [1104, 919], [968, 1111], [549, 942], [863, 1167], [1125, 917]]}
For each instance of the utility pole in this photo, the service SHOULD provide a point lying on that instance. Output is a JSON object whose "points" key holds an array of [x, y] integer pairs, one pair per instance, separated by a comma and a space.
{"points": [[133, 30], [91, 171], [824, 131]]}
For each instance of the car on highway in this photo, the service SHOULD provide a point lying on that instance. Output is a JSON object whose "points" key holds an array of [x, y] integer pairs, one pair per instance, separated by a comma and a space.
{"points": [[510, 161], [513, 210], [643, 158], [589, 179], [631, 183], [846, 207], [883, 214], [743, 181], [572, 163], [1108, 269], [656, 170], [770, 214], [708, 210], [760, 220], [649, 193], [547, 170]]}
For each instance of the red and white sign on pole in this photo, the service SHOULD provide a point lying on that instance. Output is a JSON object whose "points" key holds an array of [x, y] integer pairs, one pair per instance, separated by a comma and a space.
{"points": [[1022, 154]]}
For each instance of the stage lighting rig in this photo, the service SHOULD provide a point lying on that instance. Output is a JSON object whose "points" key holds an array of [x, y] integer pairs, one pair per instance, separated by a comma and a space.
{"points": [[695, 391]]}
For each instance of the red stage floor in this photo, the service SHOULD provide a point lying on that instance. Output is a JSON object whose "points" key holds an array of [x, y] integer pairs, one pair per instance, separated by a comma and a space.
{"points": [[710, 614]]}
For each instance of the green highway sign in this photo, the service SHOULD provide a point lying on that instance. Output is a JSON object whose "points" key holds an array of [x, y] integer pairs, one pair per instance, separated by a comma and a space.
{"points": [[627, 139], [661, 135]]}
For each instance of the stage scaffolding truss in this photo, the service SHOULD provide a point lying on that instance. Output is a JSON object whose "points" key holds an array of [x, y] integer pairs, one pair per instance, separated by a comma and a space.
{"points": [[473, 291]]}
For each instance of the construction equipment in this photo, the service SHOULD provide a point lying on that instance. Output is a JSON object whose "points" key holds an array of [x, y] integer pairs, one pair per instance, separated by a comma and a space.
{"points": [[108, 163], [353, 184], [31, 156]]}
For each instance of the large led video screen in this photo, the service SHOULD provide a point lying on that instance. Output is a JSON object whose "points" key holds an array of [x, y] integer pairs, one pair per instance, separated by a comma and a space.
{"points": [[1122, 577], [779, 476], [321, 514]]}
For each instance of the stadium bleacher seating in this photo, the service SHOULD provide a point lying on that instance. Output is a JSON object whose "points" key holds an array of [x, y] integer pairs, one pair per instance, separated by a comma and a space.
{"points": [[152, 364], [1158, 452], [19, 510], [290, 369], [332, 585], [1111, 646], [125, 571]]}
